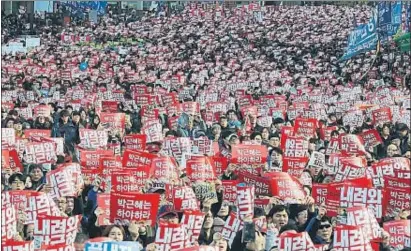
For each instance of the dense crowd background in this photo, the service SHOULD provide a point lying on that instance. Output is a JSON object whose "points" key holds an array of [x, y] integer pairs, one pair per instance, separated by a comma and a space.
{"points": [[224, 77]]}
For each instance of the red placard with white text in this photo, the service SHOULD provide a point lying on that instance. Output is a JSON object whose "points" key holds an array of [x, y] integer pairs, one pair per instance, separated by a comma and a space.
{"points": [[38, 203], [8, 222], [294, 165], [37, 153], [229, 190], [382, 115], [184, 198], [103, 203], [113, 120], [351, 144], [91, 159], [153, 131], [232, 225], [364, 217], [285, 186], [60, 180], [305, 127], [93, 139], [294, 146], [350, 238], [55, 230], [245, 201], [135, 159], [124, 181], [399, 230], [295, 241], [371, 138], [13, 245], [193, 222], [171, 236], [249, 154], [200, 168], [164, 168], [37, 133], [135, 141], [127, 207]]}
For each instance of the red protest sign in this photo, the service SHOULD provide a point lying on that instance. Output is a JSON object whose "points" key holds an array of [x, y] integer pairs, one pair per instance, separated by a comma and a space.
{"points": [[93, 139], [135, 141], [113, 120], [200, 168], [164, 168], [349, 169], [285, 186], [220, 164], [37, 153], [170, 236], [382, 115], [191, 108], [124, 181], [39, 203], [371, 138], [261, 184], [37, 133], [103, 203], [364, 217], [137, 159], [153, 131], [294, 165], [399, 231], [245, 201], [325, 132], [5, 159], [60, 247], [42, 110], [351, 144], [8, 222], [55, 230], [350, 238], [8, 138], [193, 222], [395, 200], [305, 127], [91, 159], [229, 190], [289, 241], [184, 198], [360, 194], [127, 207], [109, 106], [202, 146], [294, 146], [249, 154], [232, 225], [60, 180], [110, 162]]}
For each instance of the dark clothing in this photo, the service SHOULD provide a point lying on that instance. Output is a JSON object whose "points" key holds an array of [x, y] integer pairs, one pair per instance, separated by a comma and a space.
{"points": [[205, 240], [69, 132], [404, 144]]}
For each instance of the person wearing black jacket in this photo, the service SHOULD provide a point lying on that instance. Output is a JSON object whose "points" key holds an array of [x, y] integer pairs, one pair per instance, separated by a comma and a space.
{"points": [[64, 127]]}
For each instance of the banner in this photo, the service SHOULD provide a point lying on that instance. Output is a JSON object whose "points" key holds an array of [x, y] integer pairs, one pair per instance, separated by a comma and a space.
{"points": [[245, 201], [200, 168], [37, 153], [135, 142], [249, 154], [193, 222], [13, 245], [170, 236], [112, 245], [363, 38], [37, 133], [127, 207], [54, 230], [93, 139], [350, 238]]}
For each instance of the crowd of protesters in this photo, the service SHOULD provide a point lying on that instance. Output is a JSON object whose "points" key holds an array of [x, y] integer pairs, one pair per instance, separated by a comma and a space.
{"points": [[233, 69]]}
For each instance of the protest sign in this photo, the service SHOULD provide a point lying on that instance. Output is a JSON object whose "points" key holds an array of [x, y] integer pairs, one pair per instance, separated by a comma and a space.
{"points": [[137, 159], [285, 186], [90, 159], [371, 138], [229, 190], [93, 139], [205, 190], [164, 168], [60, 180], [351, 238], [295, 241], [44, 152], [399, 231], [13, 245], [351, 144], [54, 230], [113, 120], [193, 222], [112, 245], [184, 198], [127, 207], [305, 127], [103, 203], [294, 146], [171, 236], [8, 222], [153, 132], [8, 138], [232, 225], [200, 168], [245, 201], [135, 141], [363, 217], [249, 154]]}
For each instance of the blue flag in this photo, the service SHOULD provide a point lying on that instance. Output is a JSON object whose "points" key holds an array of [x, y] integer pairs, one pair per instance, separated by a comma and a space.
{"points": [[363, 38], [396, 14], [408, 18], [384, 20]]}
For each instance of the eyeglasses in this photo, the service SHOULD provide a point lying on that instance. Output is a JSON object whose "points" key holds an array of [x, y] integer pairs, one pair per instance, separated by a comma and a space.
{"points": [[324, 226], [17, 182]]}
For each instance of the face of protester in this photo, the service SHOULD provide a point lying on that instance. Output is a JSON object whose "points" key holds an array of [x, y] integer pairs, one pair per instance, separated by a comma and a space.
{"points": [[96, 120], [392, 150], [275, 141], [17, 184], [253, 119], [76, 118], [29, 232], [258, 139], [83, 115], [62, 204], [36, 174], [265, 134], [221, 244], [116, 234], [208, 221], [223, 122], [403, 133], [276, 158], [28, 183], [232, 116], [18, 127], [171, 218], [216, 130], [65, 119], [325, 231], [70, 204], [302, 217], [280, 218], [10, 124], [224, 210], [42, 119], [385, 131]]}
